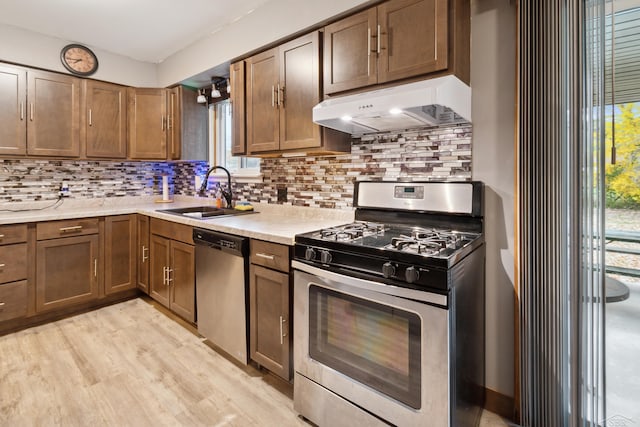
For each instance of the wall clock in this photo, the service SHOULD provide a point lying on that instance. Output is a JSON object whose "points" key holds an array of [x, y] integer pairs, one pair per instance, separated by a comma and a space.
{"points": [[79, 60]]}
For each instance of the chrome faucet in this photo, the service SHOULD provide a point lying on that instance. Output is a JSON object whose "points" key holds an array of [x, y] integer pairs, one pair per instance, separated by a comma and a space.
{"points": [[226, 194]]}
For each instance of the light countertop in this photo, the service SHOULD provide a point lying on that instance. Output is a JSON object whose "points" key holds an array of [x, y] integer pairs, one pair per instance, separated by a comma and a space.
{"points": [[274, 223]]}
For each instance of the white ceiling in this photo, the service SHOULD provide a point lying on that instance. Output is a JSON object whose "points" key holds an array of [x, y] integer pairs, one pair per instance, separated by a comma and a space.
{"points": [[145, 30]]}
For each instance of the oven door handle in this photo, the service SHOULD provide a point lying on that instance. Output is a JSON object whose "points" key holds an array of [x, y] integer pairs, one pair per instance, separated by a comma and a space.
{"points": [[330, 277]]}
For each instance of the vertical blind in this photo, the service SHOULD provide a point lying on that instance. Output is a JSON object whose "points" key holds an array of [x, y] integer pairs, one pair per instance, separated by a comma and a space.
{"points": [[558, 200]]}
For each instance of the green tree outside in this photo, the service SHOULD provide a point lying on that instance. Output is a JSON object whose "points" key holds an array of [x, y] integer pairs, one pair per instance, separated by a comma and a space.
{"points": [[622, 181]]}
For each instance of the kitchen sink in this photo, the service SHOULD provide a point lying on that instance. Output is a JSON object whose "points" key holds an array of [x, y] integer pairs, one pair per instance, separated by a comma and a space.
{"points": [[204, 212]]}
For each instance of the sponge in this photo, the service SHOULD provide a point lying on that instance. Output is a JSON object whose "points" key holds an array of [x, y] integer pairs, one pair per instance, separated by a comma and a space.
{"points": [[243, 206]]}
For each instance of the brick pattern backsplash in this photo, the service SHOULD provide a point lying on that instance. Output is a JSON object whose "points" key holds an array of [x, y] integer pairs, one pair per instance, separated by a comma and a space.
{"points": [[442, 153]]}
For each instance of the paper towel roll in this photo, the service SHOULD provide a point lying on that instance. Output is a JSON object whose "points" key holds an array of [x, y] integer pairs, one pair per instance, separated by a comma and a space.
{"points": [[165, 187]]}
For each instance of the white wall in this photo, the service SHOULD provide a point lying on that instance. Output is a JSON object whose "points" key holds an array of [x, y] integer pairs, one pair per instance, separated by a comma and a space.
{"points": [[270, 22], [493, 35], [40, 51]]}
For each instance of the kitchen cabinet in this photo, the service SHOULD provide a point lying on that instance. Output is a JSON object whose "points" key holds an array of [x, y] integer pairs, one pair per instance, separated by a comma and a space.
{"points": [[172, 267], [282, 87], [270, 307], [399, 39], [142, 242], [238, 108], [147, 122], [67, 258], [53, 114], [104, 120], [13, 271], [119, 253], [13, 98]]}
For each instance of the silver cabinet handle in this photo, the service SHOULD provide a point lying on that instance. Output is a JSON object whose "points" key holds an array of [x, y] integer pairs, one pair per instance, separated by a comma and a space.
{"points": [[282, 333], [378, 39], [164, 275], [3, 265], [2, 304], [95, 267], [144, 251], [70, 229], [22, 111], [90, 118], [266, 256], [368, 51], [1, 236], [162, 123], [273, 96], [281, 100], [169, 279], [31, 112], [278, 94]]}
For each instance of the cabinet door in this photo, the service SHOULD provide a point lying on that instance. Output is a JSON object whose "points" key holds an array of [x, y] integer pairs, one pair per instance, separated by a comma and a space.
{"points": [[270, 325], [238, 108], [13, 98], [350, 52], [66, 271], [263, 116], [158, 267], [174, 115], [53, 128], [182, 280], [299, 92], [147, 111], [105, 123], [119, 253], [143, 252], [413, 38]]}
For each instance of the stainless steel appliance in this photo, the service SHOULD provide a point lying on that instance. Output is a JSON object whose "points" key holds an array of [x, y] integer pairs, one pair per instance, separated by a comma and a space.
{"points": [[389, 310], [222, 266]]}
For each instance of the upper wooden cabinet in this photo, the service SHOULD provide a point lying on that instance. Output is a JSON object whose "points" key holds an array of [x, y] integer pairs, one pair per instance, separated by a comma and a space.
{"points": [[396, 40], [187, 125], [105, 120], [238, 107], [147, 124], [282, 87], [13, 98], [53, 125]]}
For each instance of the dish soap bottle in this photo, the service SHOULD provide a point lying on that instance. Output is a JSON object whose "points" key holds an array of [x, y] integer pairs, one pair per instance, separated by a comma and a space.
{"points": [[218, 198]]}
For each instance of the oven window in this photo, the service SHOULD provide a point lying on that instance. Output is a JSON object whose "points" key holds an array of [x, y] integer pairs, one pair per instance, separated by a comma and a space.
{"points": [[372, 343]]}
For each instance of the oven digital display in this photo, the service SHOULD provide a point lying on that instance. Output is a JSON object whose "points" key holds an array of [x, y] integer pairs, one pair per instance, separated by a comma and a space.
{"points": [[409, 192]]}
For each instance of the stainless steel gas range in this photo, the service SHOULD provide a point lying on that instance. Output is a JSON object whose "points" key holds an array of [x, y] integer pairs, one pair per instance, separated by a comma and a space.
{"points": [[389, 310]]}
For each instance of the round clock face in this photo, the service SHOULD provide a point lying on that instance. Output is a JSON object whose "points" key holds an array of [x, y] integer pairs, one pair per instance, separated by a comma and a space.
{"points": [[79, 59]]}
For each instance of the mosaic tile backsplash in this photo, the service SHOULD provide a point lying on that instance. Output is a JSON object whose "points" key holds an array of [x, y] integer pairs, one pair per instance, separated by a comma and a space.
{"points": [[432, 153]]}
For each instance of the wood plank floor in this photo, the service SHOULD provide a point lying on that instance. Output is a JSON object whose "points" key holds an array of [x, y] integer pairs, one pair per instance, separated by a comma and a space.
{"points": [[131, 365]]}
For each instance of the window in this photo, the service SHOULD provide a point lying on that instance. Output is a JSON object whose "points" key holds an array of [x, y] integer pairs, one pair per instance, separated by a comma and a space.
{"points": [[221, 140]]}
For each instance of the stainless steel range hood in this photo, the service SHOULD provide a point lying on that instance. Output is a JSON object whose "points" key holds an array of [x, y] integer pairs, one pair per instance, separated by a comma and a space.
{"points": [[433, 102]]}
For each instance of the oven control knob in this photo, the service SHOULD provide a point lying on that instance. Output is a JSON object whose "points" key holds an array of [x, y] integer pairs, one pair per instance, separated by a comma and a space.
{"points": [[325, 257], [309, 254], [388, 270], [411, 274]]}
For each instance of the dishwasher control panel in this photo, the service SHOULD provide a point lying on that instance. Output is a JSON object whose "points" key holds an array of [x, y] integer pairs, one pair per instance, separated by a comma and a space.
{"points": [[221, 241]]}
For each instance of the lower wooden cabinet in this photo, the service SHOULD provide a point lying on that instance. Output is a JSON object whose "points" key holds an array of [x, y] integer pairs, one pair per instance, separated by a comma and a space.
{"points": [[119, 253], [142, 251], [172, 270], [66, 271], [13, 300], [270, 322]]}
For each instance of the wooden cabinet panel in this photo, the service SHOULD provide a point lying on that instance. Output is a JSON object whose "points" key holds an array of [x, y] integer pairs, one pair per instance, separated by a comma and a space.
{"points": [[143, 252], [53, 126], [119, 253], [14, 233], [174, 115], [349, 55], [13, 98], [159, 263], [182, 280], [238, 108], [147, 111], [270, 324], [172, 230], [263, 90], [299, 92], [13, 300], [66, 271], [13, 262], [413, 38], [67, 227], [105, 121], [271, 255]]}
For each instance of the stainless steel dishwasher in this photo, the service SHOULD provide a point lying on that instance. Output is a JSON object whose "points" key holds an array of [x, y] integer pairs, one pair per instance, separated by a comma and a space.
{"points": [[222, 271]]}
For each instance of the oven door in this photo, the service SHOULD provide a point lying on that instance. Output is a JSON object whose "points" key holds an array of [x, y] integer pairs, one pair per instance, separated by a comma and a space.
{"points": [[384, 353]]}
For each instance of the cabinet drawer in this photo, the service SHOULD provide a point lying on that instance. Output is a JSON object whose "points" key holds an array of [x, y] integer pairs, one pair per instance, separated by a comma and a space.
{"points": [[13, 300], [13, 262], [272, 255], [66, 228], [13, 234], [172, 230]]}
